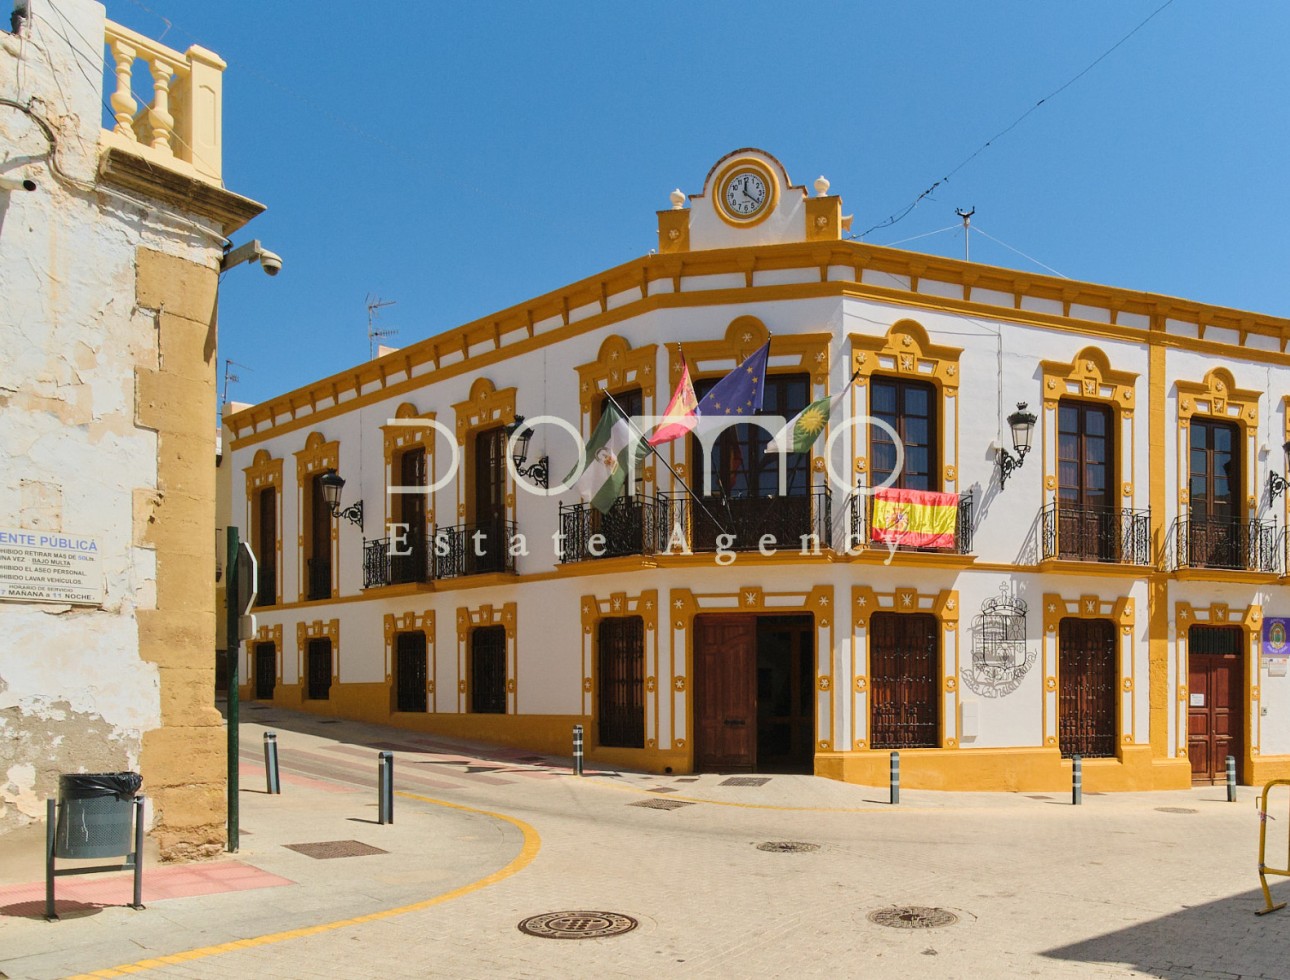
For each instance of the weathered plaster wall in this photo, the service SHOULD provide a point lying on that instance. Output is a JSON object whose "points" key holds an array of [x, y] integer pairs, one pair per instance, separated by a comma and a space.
{"points": [[107, 397]]}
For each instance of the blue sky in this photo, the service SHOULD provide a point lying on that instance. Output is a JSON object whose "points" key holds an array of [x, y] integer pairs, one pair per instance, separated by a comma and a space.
{"points": [[458, 158]]}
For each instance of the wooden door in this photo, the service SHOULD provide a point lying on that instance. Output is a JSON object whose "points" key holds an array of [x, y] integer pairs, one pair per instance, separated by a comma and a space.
{"points": [[410, 672], [266, 670], [904, 668], [266, 548], [1215, 693], [725, 693], [490, 503], [621, 667], [1086, 699], [786, 694], [318, 561], [318, 670], [1214, 495], [1087, 524], [411, 565]]}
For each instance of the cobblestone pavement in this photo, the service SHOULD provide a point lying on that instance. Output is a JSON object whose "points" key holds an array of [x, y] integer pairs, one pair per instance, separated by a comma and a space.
{"points": [[1139, 884]]}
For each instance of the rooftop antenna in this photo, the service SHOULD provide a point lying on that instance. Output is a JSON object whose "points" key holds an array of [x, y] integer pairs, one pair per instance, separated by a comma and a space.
{"points": [[375, 303], [967, 221], [230, 378]]}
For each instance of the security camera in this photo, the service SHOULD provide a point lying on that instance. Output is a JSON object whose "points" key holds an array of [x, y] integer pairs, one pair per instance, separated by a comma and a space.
{"points": [[16, 184], [271, 262], [252, 251]]}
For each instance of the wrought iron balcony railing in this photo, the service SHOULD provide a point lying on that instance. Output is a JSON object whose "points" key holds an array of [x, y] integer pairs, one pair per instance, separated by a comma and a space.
{"points": [[383, 566], [861, 518], [1219, 542], [1096, 534], [319, 572], [755, 523], [636, 525], [472, 549]]}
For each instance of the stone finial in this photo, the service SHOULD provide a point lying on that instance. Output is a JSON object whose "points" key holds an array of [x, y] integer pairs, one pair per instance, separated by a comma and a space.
{"points": [[678, 199], [821, 186]]}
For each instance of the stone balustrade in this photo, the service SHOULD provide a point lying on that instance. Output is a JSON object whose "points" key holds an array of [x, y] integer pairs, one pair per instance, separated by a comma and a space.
{"points": [[180, 126]]}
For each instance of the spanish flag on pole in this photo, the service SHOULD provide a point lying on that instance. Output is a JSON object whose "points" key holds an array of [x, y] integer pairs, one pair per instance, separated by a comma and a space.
{"points": [[917, 518]]}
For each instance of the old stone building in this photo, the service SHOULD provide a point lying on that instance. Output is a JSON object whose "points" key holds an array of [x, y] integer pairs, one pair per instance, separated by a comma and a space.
{"points": [[109, 270]]}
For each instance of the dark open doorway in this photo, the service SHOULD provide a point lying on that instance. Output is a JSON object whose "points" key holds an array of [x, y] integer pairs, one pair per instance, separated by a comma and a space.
{"points": [[754, 701]]}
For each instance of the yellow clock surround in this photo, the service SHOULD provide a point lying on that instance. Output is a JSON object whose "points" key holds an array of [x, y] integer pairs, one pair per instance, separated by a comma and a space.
{"points": [[736, 169]]}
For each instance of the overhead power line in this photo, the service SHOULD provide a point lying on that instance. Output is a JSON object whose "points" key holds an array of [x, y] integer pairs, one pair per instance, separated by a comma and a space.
{"points": [[892, 219]]}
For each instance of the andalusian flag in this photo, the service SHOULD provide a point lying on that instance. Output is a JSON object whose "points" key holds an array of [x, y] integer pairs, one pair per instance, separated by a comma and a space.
{"points": [[918, 518], [799, 435], [607, 461], [679, 416]]}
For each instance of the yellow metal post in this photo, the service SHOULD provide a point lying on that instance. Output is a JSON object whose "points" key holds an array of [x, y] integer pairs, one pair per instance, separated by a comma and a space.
{"points": [[1264, 870]]}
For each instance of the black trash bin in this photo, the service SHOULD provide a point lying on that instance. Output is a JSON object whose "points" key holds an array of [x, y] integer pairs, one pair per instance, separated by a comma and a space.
{"points": [[95, 812]]}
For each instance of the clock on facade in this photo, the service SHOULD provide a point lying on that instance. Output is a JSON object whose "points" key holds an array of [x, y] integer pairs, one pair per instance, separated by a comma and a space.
{"points": [[745, 194]]}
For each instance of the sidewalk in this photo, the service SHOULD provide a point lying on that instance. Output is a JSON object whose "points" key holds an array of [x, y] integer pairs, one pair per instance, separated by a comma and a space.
{"points": [[1142, 884]]}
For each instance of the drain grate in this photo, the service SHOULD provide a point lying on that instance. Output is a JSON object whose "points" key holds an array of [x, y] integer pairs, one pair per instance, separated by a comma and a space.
{"points": [[330, 721], [745, 781], [661, 804], [577, 925], [788, 846], [335, 849], [913, 917], [1175, 809], [662, 789]]}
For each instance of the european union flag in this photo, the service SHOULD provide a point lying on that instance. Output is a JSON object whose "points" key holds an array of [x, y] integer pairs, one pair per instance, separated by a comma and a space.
{"points": [[740, 392]]}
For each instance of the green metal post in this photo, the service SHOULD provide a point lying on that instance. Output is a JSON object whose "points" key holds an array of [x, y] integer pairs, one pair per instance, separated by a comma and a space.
{"points": [[233, 651]]}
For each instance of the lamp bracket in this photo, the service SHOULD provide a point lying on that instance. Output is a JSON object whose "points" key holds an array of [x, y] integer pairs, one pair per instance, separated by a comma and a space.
{"points": [[537, 473], [353, 513]]}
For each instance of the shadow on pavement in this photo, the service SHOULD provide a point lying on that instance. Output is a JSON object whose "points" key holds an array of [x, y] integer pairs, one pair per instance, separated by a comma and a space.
{"points": [[1223, 937]]}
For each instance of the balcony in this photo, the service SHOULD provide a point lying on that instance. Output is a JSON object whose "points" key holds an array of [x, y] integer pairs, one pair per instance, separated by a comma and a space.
{"points": [[755, 523], [861, 512], [180, 127], [636, 525], [473, 549], [383, 566], [1225, 543], [1103, 534]]}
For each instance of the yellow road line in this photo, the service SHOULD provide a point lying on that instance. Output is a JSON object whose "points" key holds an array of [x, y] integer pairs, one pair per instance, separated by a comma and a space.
{"points": [[532, 844]]}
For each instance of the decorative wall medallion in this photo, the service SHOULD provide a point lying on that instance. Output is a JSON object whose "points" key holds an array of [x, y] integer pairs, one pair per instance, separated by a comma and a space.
{"points": [[1000, 658]]}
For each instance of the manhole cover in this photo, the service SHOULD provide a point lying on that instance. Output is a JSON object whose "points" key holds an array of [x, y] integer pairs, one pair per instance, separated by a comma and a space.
{"points": [[746, 781], [335, 849], [788, 846], [577, 925], [913, 917], [661, 804], [1175, 809]]}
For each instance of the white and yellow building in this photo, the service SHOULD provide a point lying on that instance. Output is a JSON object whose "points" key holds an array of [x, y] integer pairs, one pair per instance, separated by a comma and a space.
{"points": [[1107, 600]]}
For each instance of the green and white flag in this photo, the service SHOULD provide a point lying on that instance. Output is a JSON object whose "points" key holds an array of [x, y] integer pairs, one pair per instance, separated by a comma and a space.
{"points": [[805, 427], [607, 461]]}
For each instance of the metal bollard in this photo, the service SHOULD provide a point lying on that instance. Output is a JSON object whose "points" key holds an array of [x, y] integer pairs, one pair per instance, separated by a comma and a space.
{"points": [[385, 787], [577, 750], [271, 782], [1077, 780], [1231, 779], [895, 778]]}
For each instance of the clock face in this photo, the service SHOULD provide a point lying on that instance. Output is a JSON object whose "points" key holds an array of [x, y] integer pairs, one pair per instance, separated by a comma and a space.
{"points": [[746, 194]]}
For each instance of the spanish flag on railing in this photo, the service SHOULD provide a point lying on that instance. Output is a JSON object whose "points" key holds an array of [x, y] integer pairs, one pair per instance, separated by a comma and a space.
{"points": [[917, 518]]}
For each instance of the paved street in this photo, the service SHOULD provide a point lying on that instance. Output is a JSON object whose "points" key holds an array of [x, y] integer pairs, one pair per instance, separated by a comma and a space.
{"points": [[1160, 884]]}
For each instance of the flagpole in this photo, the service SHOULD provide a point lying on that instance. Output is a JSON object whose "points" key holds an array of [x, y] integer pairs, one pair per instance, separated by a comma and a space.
{"points": [[654, 449]]}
